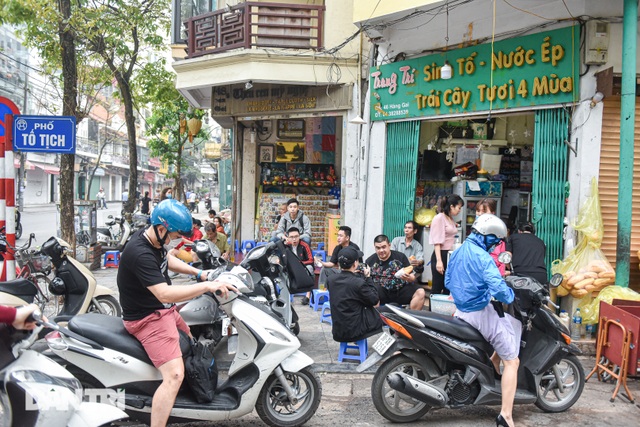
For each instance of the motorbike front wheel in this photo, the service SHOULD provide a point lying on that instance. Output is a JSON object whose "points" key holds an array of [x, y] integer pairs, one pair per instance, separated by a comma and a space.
{"points": [[109, 304], [391, 404], [275, 408], [561, 386]]}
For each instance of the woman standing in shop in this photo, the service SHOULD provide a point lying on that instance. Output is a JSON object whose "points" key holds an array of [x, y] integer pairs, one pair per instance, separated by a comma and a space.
{"points": [[442, 236]]}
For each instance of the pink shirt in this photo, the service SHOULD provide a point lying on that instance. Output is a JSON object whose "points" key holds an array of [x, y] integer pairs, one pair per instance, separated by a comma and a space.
{"points": [[497, 251], [443, 232]]}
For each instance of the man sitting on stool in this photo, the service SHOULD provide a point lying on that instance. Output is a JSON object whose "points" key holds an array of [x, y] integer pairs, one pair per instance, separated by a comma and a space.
{"points": [[353, 298], [401, 288]]}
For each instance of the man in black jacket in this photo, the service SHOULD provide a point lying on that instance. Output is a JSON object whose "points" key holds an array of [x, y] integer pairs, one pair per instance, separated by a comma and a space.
{"points": [[353, 298]]}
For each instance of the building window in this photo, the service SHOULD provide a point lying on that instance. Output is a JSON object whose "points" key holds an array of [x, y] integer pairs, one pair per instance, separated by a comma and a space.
{"points": [[185, 9]]}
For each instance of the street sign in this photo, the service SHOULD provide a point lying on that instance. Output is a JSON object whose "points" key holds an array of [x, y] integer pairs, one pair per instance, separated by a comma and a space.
{"points": [[48, 134]]}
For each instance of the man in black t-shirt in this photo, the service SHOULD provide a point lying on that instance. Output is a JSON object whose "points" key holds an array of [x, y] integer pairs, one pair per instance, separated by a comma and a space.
{"points": [[391, 285], [330, 267], [528, 252], [147, 298]]}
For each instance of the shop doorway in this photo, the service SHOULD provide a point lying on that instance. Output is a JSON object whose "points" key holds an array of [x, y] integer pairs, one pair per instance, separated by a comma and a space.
{"points": [[403, 140]]}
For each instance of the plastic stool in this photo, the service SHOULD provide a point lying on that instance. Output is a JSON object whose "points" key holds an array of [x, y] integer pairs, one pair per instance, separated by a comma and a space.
{"points": [[112, 259], [322, 254], [321, 246], [362, 346], [247, 245], [317, 298], [237, 247], [324, 317]]}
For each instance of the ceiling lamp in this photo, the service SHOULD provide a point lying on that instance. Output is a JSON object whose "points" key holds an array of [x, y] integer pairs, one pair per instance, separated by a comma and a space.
{"points": [[446, 71]]}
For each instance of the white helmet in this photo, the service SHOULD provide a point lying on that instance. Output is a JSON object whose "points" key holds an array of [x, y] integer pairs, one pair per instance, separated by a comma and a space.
{"points": [[488, 224]]}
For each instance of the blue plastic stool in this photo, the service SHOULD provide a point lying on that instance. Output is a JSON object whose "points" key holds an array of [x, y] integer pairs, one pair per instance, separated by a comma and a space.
{"points": [[322, 254], [317, 298], [237, 247], [112, 259], [321, 246], [247, 245], [362, 346], [324, 317]]}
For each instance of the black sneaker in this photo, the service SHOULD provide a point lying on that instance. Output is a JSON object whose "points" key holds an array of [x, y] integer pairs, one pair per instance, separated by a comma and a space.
{"points": [[305, 301]]}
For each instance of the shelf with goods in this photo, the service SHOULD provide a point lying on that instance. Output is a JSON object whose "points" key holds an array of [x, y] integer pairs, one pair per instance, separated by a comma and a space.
{"points": [[313, 206], [524, 207], [471, 196]]}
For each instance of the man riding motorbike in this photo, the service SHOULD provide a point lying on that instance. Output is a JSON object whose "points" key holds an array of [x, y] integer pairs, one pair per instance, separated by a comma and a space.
{"points": [[473, 279], [148, 300]]}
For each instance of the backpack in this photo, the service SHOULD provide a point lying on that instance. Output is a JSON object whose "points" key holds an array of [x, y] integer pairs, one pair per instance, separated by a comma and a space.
{"points": [[300, 279], [201, 371]]}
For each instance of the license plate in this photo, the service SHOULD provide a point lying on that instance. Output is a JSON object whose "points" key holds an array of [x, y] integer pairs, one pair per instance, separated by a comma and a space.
{"points": [[225, 326], [383, 343]]}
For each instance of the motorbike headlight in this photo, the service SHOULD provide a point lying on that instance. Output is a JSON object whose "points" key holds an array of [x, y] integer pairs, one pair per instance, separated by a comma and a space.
{"points": [[31, 376], [201, 246]]}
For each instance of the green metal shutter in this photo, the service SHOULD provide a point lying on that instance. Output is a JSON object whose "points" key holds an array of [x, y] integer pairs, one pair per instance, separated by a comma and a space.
{"points": [[400, 176], [550, 179], [225, 178]]}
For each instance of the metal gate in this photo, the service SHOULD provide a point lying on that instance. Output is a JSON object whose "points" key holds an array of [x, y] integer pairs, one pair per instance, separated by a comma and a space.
{"points": [[549, 189], [225, 183], [400, 176]]}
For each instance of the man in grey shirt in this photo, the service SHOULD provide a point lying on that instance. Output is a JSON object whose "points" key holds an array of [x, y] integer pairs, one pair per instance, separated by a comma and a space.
{"points": [[410, 247]]}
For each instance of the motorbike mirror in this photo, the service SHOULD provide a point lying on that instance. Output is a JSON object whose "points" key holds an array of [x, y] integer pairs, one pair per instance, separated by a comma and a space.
{"points": [[505, 257], [556, 279]]}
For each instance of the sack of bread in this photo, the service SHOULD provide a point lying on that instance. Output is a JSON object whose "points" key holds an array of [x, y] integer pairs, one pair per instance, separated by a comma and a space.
{"points": [[586, 269]]}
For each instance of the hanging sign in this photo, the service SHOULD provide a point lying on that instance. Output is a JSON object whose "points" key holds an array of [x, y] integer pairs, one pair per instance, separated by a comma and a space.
{"points": [[49, 134], [538, 69]]}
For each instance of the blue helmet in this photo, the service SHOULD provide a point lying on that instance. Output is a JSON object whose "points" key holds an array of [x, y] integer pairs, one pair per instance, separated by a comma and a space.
{"points": [[174, 216]]}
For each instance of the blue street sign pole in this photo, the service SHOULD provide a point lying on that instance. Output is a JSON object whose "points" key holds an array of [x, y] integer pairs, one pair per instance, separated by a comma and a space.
{"points": [[48, 134]]}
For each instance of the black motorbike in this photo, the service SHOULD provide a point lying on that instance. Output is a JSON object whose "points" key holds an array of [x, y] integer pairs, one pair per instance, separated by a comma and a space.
{"points": [[207, 203], [435, 361]]}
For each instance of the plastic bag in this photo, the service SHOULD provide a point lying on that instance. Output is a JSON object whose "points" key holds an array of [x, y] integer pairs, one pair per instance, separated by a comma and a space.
{"points": [[586, 269], [590, 309], [424, 216]]}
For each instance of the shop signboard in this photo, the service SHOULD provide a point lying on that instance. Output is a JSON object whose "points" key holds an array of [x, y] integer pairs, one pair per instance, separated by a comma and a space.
{"points": [[528, 71], [270, 99]]}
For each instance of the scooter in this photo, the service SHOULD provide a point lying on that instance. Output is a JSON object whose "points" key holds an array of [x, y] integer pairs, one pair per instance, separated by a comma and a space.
{"points": [[73, 287], [116, 233], [36, 391], [434, 361], [268, 373], [207, 203], [76, 285]]}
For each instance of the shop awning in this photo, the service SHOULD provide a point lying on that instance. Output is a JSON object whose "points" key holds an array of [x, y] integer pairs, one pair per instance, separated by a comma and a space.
{"points": [[51, 169], [27, 164]]}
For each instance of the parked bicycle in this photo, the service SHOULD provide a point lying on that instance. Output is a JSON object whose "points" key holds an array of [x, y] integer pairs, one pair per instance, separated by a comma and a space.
{"points": [[35, 267]]}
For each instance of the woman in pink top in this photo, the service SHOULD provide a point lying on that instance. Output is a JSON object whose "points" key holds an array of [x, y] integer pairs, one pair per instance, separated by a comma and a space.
{"points": [[490, 206], [442, 237]]}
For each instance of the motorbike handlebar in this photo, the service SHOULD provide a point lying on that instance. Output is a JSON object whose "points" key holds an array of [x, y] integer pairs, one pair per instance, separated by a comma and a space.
{"points": [[548, 300]]}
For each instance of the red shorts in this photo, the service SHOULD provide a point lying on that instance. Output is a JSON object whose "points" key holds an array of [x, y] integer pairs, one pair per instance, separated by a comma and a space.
{"points": [[158, 334]]}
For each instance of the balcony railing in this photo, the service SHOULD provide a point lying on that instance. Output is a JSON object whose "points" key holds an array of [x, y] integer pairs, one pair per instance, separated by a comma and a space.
{"points": [[253, 24]]}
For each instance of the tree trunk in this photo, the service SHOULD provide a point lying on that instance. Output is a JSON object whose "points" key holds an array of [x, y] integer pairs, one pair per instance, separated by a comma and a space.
{"points": [[127, 100], [69, 107], [179, 192]]}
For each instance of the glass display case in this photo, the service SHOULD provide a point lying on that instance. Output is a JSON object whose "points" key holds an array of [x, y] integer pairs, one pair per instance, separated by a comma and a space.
{"points": [[472, 192]]}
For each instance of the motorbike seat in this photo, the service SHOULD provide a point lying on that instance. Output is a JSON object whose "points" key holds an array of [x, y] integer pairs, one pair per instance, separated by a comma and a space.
{"points": [[19, 288], [110, 332], [454, 327]]}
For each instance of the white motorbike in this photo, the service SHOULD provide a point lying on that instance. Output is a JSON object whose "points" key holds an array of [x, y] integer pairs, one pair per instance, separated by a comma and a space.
{"points": [[268, 373], [115, 234], [38, 392]]}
